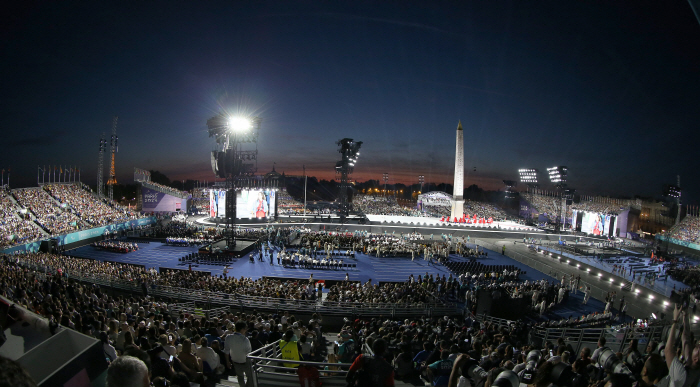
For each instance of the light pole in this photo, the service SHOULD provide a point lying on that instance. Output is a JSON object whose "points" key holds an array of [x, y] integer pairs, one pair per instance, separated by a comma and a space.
{"points": [[421, 180], [385, 176], [230, 134], [304, 167]]}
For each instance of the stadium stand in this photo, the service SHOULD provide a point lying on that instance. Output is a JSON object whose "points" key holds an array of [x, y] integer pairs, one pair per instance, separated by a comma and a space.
{"points": [[50, 215], [90, 209], [287, 205], [687, 230], [15, 227]]}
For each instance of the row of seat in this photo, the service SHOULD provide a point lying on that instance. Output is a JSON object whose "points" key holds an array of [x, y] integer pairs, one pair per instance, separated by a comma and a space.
{"points": [[209, 259], [290, 263], [477, 267]]}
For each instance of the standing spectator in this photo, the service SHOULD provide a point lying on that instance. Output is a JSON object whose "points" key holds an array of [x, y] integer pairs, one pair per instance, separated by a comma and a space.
{"points": [[237, 347], [376, 370]]}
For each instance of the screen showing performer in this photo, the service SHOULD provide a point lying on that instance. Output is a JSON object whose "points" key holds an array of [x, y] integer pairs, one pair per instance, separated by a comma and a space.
{"points": [[258, 204]]}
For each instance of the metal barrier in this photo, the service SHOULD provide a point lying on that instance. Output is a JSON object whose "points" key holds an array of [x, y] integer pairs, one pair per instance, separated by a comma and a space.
{"points": [[267, 369], [616, 338], [599, 288], [242, 302]]}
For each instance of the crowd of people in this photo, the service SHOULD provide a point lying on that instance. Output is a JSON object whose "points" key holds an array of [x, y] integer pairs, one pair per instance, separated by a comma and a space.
{"points": [[436, 348], [382, 205], [94, 211], [287, 205], [180, 349], [199, 202], [51, 216], [687, 230], [182, 231], [15, 227], [165, 189], [551, 206], [464, 352], [116, 246]]}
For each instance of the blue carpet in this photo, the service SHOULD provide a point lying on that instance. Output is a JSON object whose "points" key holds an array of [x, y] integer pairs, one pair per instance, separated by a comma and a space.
{"points": [[158, 255]]}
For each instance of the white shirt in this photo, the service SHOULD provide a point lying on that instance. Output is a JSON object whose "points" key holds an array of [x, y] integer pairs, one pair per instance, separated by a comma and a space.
{"points": [[209, 356], [237, 346]]}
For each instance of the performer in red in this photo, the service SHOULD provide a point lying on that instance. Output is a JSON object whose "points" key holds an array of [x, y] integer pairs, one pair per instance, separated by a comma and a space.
{"points": [[261, 210]]}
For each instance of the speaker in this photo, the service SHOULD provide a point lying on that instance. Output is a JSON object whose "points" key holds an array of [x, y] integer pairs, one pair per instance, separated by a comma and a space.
{"points": [[231, 203], [214, 163]]}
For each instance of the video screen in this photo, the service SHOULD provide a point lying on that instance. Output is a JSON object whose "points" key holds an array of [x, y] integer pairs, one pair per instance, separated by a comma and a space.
{"points": [[259, 204], [217, 204], [597, 224]]}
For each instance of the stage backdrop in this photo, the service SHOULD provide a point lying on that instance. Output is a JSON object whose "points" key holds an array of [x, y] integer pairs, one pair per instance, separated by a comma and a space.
{"points": [[154, 201]]}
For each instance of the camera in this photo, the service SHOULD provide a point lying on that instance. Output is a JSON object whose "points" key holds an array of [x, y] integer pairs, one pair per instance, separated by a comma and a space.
{"points": [[563, 376], [471, 371], [506, 378], [680, 298], [611, 364], [528, 374]]}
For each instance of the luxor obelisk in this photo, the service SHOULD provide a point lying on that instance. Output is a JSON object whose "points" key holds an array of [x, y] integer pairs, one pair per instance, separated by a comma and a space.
{"points": [[458, 192]]}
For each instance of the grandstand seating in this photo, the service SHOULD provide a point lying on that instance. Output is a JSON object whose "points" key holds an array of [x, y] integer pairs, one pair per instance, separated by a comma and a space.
{"points": [[688, 230]]}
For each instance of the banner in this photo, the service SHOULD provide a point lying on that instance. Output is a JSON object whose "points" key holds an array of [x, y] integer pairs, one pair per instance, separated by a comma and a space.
{"points": [[155, 201], [85, 234]]}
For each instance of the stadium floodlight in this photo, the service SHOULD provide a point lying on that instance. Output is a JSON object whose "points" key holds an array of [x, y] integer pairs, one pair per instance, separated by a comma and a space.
{"points": [[672, 191], [528, 175], [558, 174], [239, 124]]}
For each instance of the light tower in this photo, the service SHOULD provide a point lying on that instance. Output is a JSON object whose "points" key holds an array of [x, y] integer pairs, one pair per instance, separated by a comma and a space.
{"points": [[385, 177], [101, 167], [231, 133], [350, 151], [114, 148], [558, 176], [421, 180], [458, 188]]}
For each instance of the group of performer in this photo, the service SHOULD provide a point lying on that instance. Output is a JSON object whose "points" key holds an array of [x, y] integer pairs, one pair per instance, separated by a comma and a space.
{"points": [[308, 262], [116, 246], [180, 241]]}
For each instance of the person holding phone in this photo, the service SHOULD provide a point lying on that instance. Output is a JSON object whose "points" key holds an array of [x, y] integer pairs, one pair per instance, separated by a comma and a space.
{"points": [[168, 349]]}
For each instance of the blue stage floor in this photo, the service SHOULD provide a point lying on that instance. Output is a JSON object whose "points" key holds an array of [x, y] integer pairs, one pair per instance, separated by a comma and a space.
{"points": [[158, 255]]}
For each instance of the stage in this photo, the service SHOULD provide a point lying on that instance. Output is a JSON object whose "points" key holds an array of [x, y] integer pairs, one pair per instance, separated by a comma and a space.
{"points": [[242, 248]]}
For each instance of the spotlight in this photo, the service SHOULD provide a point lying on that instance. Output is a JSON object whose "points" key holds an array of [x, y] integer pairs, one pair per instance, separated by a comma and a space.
{"points": [[239, 124]]}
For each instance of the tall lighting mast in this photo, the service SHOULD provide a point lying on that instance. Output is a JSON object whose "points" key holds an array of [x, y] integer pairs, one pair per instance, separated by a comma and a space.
{"points": [[350, 150], [230, 134]]}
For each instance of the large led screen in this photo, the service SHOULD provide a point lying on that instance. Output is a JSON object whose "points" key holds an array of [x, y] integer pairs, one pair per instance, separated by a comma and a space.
{"points": [[255, 204], [217, 204], [598, 224], [250, 204]]}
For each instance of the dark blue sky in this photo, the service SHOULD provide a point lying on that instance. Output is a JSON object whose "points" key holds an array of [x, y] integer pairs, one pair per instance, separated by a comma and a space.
{"points": [[610, 89]]}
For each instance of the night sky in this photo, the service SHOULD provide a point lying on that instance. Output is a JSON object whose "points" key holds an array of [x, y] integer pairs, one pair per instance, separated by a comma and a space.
{"points": [[610, 89]]}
